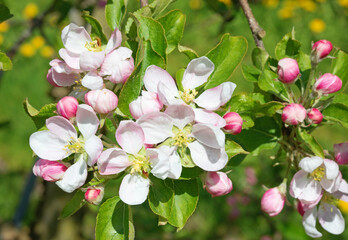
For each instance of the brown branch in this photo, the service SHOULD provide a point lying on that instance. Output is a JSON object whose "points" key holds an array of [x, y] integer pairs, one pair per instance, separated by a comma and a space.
{"points": [[256, 30], [143, 3]]}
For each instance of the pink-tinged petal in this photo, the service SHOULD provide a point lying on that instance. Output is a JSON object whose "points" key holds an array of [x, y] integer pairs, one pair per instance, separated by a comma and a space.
{"points": [[342, 192], [130, 136], [87, 120], [115, 40], [331, 185], [343, 186], [75, 38], [331, 219], [72, 59], [74, 177], [49, 170], [311, 192], [135, 108], [134, 189], [332, 169], [175, 166], [91, 60], [216, 97], [207, 158], [209, 135], [308, 205], [92, 81], [309, 221], [159, 162], [61, 127], [144, 104], [197, 72], [113, 161], [181, 115], [309, 164], [209, 117], [298, 183], [48, 145], [169, 96], [155, 75], [157, 127], [93, 147]]}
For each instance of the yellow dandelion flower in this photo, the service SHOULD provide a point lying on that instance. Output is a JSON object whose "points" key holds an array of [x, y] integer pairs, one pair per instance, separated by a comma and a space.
{"points": [[270, 3], [195, 4], [1, 39], [317, 25], [343, 3], [30, 11], [308, 5], [38, 41], [47, 52], [27, 50], [4, 26], [286, 12], [343, 206], [226, 2]]}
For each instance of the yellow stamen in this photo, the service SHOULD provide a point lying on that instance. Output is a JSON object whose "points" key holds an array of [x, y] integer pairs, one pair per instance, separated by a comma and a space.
{"points": [[74, 146], [181, 139], [318, 173], [94, 46], [188, 95], [140, 164]]}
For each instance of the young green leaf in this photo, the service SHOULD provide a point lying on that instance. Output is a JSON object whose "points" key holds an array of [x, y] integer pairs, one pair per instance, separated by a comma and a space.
{"points": [[4, 13], [5, 62], [250, 73], [288, 47], [233, 148], [77, 202], [97, 29], [39, 117], [268, 83], [339, 68], [190, 53], [337, 112], [310, 141], [259, 57], [114, 12]]}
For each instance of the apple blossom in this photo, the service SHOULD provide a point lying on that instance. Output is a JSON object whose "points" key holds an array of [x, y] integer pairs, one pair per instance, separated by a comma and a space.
{"points": [[61, 75], [94, 195], [67, 107], [321, 49], [294, 114], [328, 83], [273, 200], [144, 104], [315, 116], [234, 123], [288, 70], [102, 101], [341, 153], [49, 170], [218, 184]]}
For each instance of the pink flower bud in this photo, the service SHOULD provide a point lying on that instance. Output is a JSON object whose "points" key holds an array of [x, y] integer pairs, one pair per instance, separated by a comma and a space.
{"points": [[328, 83], [315, 116], [234, 123], [288, 70], [103, 101], [94, 195], [273, 200], [67, 107], [147, 103], [294, 114], [341, 153], [218, 184], [322, 48], [49, 170], [49, 78]]}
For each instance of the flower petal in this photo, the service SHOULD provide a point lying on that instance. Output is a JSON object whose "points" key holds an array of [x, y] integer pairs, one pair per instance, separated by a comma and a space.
{"points": [[113, 161], [298, 183], [169, 96], [71, 59], [197, 72], [75, 38], [309, 221], [181, 115], [74, 177], [134, 189], [175, 166], [331, 185], [91, 60], [115, 40], [93, 147], [130, 136], [209, 117], [209, 135], [92, 81], [311, 192], [154, 75], [309, 164], [87, 120], [332, 169], [159, 162], [331, 219], [207, 158], [61, 127]]}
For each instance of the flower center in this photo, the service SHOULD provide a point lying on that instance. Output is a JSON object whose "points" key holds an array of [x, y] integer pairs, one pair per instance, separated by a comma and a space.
{"points": [[188, 95], [318, 173], [74, 146], [94, 46], [140, 164], [181, 139]]}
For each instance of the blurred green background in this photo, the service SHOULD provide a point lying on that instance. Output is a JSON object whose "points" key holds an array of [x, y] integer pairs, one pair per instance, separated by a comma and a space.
{"points": [[236, 216]]}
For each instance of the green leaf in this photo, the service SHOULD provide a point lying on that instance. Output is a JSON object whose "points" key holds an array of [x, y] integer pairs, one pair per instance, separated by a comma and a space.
{"points": [[304, 61], [268, 83], [310, 141], [189, 173], [5, 62], [39, 117], [160, 6], [77, 202], [339, 68], [250, 73], [288, 47], [341, 98], [259, 57], [190, 53], [114, 221], [173, 24], [114, 12], [226, 56], [337, 112], [97, 29], [233, 148], [4, 13], [178, 78]]}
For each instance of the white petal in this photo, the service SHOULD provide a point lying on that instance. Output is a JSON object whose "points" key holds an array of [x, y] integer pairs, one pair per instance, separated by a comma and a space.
{"points": [[343, 186], [197, 72], [48, 146], [331, 185], [115, 40], [61, 127], [209, 135], [181, 115], [154, 75], [209, 117], [311, 192], [159, 162], [134, 189], [87, 120], [332, 169], [130, 136], [175, 166], [74, 177], [112, 161], [93, 147], [207, 158], [91, 60], [309, 221], [298, 183], [309, 164], [168, 96], [72, 59], [331, 219], [75, 38], [92, 81], [157, 127]]}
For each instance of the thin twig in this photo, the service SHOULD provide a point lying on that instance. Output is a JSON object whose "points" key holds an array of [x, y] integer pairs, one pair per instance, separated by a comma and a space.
{"points": [[143, 3], [256, 30]]}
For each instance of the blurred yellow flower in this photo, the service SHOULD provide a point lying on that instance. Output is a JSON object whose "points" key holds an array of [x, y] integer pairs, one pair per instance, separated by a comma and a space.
{"points": [[343, 3], [38, 41], [308, 5], [343, 206], [321, 1], [4, 26], [47, 52], [317, 25], [195, 4], [286, 12], [226, 2], [27, 50], [30, 11], [270, 3], [1, 39], [291, 4]]}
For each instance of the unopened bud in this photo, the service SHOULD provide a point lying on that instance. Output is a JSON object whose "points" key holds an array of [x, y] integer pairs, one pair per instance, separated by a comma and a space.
{"points": [[67, 107], [234, 123], [218, 184], [94, 195], [102, 101], [49, 170], [294, 114], [288, 70], [273, 200], [341, 153], [315, 116], [321, 49], [328, 83]]}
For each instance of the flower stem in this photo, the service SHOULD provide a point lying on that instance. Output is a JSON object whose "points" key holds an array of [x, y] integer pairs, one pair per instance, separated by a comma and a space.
{"points": [[306, 100]]}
